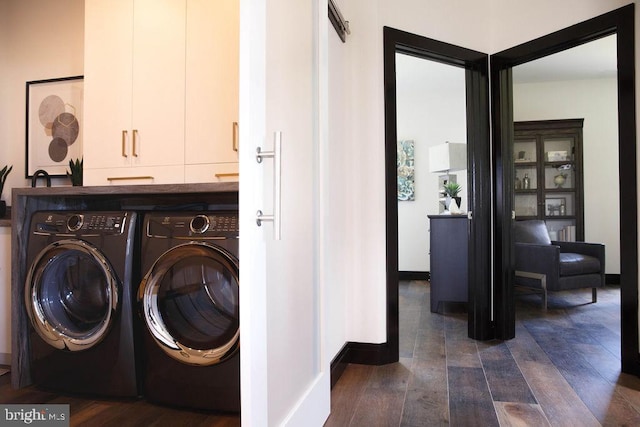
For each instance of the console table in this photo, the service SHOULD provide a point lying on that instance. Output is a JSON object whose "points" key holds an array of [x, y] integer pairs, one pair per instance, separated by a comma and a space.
{"points": [[449, 242]]}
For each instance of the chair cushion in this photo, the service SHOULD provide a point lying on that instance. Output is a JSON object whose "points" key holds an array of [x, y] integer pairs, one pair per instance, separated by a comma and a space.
{"points": [[573, 264], [532, 231]]}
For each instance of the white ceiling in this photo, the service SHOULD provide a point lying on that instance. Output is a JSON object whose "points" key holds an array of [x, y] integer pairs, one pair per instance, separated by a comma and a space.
{"points": [[596, 59], [593, 60]]}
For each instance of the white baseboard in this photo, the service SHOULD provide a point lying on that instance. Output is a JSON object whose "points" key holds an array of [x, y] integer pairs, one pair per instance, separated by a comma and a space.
{"points": [[314, 406]]}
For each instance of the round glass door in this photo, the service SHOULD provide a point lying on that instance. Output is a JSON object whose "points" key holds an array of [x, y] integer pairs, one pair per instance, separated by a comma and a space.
{"points": [[71, 293], [190, 300]]}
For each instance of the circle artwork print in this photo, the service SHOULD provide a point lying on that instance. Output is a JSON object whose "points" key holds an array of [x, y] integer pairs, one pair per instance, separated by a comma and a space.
{"points": [[66, 127], [58, 149], [62, 126], [50, 108]]}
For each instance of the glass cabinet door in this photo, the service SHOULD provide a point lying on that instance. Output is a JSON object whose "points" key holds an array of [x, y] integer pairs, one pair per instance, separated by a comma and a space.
{"points": [[526, 178]]}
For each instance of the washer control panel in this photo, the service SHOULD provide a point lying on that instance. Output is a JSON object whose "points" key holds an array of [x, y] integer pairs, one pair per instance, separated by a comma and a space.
{"points": [[206, 225], [57, 223]]}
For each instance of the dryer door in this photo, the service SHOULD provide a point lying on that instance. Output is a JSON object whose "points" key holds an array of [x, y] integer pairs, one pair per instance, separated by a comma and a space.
{"points": [[190, 303], [71, 294]]}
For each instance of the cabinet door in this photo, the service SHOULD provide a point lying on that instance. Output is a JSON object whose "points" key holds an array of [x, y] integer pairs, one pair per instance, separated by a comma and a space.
{"points": [[212, 64], [158, 82], [107, 83]]}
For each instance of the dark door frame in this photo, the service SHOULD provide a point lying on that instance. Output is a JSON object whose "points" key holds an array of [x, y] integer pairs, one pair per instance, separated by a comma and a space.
{"points": [[621, 23], [479, 185]]}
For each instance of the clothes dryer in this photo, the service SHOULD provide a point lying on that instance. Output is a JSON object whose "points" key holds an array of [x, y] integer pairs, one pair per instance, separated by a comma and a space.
{"points": [[79, 296], [189, 303]]}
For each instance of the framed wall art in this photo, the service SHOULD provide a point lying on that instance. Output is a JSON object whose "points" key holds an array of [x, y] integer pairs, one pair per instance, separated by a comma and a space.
{"points": [[53, 124], [406, 177]]}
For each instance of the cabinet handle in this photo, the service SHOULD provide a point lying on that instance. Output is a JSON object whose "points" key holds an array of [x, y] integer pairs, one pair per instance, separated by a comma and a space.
{"points": [[277, 185], [235, 143], [135, 149], [124, 143], [124, 178], [223, 175]]}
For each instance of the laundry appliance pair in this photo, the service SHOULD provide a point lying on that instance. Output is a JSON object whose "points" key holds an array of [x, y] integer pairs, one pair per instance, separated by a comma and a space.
{"points": [[125, 303]]}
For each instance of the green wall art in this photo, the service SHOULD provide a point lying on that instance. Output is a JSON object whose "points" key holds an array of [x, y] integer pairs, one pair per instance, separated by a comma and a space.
{"points": [[406, 177]]}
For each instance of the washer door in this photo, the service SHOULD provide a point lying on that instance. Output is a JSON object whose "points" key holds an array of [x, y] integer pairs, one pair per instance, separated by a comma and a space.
{"points": [[71, 294], [190, 301]]}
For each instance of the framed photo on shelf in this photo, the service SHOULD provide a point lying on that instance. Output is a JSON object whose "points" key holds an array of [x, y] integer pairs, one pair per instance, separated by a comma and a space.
{"points": [[555, 206], [53, 125]]}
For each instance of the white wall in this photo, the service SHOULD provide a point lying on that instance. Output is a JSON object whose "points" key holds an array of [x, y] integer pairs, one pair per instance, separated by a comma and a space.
{"points": [[340, 160], [431, 109], [39, 40], [595, 100], [518, 21]]}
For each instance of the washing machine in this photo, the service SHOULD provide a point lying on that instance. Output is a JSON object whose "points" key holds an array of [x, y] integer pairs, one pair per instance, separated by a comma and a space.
{"points": [[80, 292], [189, 304]]}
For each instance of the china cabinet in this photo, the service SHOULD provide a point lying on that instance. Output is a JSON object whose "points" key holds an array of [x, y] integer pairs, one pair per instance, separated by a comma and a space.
{"points": [[548, 175]]}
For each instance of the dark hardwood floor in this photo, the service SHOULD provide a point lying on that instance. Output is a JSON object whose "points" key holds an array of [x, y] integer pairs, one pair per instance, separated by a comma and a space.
{"points": [[107, 412], [563, 368]]}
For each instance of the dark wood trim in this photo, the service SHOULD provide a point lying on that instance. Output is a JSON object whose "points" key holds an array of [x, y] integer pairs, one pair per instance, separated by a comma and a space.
{"points": [[476, 66], [502, 117], [414, 275], [621, 22], [360, 353], [480, 324], [339, 364], [612, 279]]}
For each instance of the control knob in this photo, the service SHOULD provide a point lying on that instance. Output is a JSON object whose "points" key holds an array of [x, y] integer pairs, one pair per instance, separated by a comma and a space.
{"points": [[199, 224], [74, 222]]}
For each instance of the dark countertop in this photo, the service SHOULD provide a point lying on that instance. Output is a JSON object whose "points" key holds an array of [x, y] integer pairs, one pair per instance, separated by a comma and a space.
{"points": [[111, 190], [6, 220]]}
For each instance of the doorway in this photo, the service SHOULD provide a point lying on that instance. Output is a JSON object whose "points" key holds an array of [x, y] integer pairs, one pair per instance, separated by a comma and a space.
{"points": [[621, 23], [475, 65]]}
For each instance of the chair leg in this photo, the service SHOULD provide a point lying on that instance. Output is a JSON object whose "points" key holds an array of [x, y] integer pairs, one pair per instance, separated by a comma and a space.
{"points": [[594, 295]]}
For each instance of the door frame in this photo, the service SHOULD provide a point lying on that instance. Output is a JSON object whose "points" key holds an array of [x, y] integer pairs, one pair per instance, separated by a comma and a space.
{"points": [[479, 185], [621, 23]]}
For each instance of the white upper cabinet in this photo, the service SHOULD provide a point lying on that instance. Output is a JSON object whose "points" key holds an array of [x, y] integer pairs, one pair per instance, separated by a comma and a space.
{"points": [[134, 91], [212, 68], [108, 52], [161, 91]]}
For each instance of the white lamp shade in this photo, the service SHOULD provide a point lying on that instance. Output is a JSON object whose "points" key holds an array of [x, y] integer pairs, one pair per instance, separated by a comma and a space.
{"points": [[448, 157]]}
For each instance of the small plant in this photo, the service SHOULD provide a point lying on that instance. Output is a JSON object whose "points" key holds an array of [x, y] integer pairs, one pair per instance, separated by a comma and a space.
{"points": [[452, 189], [4, 172], [76, 171]]}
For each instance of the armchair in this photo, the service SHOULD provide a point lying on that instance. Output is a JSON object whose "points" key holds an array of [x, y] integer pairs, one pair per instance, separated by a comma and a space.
{"points": [[556, 266]]}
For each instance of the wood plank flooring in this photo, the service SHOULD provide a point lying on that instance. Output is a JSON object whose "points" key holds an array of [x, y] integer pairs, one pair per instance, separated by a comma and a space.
{"points": [[562, 369], [122, 413]]}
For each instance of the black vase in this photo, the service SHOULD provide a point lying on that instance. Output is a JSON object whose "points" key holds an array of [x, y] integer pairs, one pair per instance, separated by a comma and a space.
{"points": [[458, 201], [3, 208]]}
